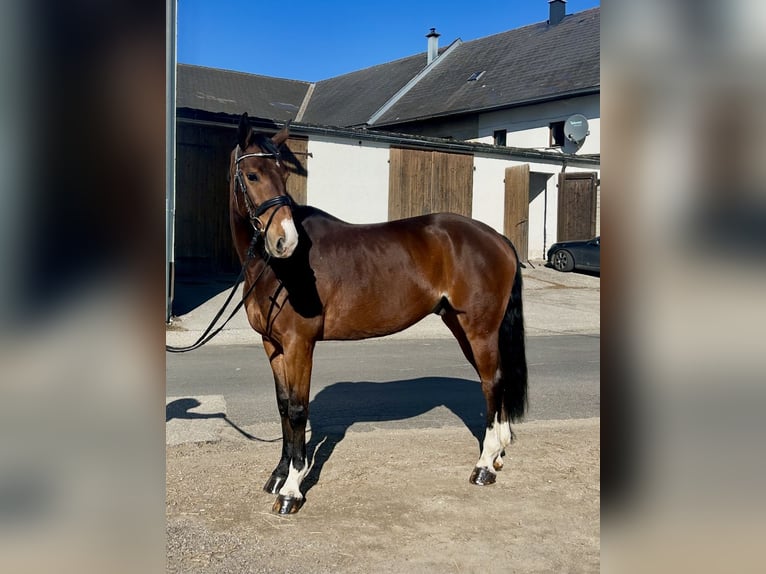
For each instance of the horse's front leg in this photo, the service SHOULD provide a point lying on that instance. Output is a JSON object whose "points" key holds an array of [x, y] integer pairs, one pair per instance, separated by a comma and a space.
{"points": [[277, 360], [298, 357]]}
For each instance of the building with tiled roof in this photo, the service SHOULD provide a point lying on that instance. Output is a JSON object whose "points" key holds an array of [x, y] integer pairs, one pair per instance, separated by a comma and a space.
{"points": [[473, 127], [543, 62]]}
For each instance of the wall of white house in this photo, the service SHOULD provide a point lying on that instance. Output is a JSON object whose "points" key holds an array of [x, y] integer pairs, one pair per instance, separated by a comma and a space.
{"points": [[350, 181], [348, 178], [543, 209], [528, 126], [489, 199], [489, 191]]}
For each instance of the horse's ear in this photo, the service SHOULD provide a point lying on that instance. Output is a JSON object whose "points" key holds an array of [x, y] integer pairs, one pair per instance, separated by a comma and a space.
{"points": [[281, 136], [243, 131]]}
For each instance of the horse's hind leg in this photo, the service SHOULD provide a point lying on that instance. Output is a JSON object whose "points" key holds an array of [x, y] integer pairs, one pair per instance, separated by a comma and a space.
{"points": [[498, 429], [450, 319], [487, 368]]}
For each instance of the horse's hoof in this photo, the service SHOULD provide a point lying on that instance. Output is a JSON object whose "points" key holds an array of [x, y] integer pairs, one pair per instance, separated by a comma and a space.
{"points": [[274, 483], [482, 476], [498, 464], [287, 504]]}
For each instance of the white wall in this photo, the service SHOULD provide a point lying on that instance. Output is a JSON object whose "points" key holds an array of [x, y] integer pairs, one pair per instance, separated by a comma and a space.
{"points": [[349, 179], [543, 211], [528, 126], [489, 200], [489, 191]]}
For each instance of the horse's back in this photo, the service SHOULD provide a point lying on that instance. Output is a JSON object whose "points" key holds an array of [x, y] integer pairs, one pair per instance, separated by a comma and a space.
{"points": [[325, 227], [438, 238]]}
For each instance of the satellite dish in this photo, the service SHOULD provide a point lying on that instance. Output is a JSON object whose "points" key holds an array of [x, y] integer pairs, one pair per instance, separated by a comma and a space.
{"points": [[575, 132]]}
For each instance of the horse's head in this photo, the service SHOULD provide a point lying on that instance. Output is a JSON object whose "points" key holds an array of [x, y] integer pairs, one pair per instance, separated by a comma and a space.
{"points": [[258, 188]]}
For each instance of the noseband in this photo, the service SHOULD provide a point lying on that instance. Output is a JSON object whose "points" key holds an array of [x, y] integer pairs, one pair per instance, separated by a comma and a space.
{"points": [[255, 211]]}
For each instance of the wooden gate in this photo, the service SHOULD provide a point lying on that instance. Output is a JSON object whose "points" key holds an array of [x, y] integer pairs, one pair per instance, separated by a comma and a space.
{"points": [[297, 163], [202, 237], [423, 182], [516, 218], [577, 206]]}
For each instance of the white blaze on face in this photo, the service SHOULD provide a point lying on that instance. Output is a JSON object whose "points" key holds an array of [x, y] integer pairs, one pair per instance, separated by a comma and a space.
{"points": [[496, 439], [282, 242], [292, 486], [291, 236]]}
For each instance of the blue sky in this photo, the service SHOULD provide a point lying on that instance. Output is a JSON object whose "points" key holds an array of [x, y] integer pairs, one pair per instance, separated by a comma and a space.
{"points": [[312, 41]]}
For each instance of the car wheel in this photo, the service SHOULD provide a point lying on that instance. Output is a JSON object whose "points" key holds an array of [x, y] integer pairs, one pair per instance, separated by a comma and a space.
{"points": [[563, 260]]}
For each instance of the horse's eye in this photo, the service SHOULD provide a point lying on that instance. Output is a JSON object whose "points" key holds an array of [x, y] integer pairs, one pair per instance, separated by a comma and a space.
{"points": [[252, 176]]}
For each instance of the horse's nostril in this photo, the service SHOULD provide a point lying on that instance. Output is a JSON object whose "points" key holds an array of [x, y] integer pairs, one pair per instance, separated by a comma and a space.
{"points": [[280, 245]]}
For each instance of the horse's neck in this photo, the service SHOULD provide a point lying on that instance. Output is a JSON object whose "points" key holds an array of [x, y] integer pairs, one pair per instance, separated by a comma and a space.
{"points": [[242, 235]]}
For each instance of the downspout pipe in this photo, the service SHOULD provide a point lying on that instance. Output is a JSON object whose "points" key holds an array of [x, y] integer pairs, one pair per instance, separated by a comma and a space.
{"points": [[170, 153]]}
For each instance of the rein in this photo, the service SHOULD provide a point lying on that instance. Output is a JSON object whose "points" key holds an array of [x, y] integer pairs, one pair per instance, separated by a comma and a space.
{"points": [[207, 335], [254, 213]]}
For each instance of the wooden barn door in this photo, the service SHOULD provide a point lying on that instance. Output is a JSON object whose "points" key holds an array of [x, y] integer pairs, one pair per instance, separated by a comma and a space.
{"points": [[577, 206], [297, 164], [423, 182], [516, 218], [202, 237]]}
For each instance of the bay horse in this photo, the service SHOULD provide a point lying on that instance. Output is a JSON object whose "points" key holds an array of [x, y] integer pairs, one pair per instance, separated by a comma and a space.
{"points": [[311, 277]]}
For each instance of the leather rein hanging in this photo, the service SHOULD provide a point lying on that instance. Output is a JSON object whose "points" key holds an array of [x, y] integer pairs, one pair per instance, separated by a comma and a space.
{"points": [[254, 213]]}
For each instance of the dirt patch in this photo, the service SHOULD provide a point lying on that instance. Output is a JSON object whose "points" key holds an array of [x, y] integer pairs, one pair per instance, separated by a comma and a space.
{"points": [[392, 501], [174, 325]]}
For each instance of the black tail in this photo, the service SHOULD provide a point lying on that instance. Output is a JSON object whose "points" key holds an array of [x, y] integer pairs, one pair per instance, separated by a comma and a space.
{"points": [[513, 358]]}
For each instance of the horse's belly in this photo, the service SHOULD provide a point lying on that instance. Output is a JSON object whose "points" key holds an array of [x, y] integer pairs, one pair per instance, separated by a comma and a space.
{"points": [[372, 318], [365, 331]]}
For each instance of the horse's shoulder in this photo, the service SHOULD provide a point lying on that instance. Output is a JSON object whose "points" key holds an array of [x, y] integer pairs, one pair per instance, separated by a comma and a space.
{"points": [[317, 223], [313, 215]]}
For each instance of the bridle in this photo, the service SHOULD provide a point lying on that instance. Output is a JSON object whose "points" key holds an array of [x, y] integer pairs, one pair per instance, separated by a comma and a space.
{"points": [[255, 211]]}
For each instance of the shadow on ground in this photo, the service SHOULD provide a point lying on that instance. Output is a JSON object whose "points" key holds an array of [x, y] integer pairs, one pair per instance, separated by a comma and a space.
{"points": [[191, 291], [336, 407], [181, 409]]}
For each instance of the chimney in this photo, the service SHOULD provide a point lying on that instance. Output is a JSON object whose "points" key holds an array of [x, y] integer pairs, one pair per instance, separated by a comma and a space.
{"points": [[433, 45], [558, 10]]}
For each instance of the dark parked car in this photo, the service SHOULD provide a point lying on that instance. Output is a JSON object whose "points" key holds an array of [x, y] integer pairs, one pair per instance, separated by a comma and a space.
{"points": [[584, 254]]}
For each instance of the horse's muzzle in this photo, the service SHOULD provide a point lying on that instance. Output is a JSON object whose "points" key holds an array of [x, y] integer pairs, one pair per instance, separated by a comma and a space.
{"points": [[282, 240]]}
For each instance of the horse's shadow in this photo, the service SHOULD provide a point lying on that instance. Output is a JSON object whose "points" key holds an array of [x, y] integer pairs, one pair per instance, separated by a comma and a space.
{"points": [[181, 409], [336, 407]]}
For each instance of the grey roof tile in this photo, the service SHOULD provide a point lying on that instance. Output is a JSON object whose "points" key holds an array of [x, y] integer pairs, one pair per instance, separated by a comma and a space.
{"points": [[226, 91], [526, 64], [352, 98]]}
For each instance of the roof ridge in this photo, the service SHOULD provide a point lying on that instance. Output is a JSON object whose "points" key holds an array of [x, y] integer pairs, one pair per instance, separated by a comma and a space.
{"points": [[534, 24], [411, 56], [305, 102], [413, 81], [241, 73]]}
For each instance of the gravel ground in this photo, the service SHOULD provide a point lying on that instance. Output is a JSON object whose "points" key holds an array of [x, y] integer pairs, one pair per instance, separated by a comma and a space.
{"points": [[391, 500]]}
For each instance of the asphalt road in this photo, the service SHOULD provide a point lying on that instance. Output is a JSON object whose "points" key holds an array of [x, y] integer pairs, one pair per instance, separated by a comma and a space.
{"points": [[392, 383]]}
